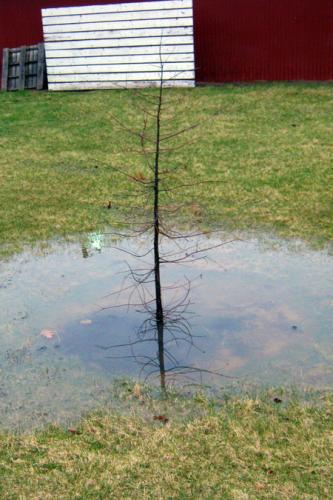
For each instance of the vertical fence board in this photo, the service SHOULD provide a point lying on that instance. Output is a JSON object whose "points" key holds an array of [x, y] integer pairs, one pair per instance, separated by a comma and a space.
{"points": [[40, 66], [21, 82], [4, 80]]}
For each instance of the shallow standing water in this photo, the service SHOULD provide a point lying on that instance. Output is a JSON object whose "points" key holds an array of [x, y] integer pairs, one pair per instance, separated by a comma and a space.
{"points": [[259, 312]]}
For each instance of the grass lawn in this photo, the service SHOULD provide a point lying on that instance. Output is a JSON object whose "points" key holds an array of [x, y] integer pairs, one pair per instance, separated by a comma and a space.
{"points": [[252, 448], [266, 152], [267, 149]]}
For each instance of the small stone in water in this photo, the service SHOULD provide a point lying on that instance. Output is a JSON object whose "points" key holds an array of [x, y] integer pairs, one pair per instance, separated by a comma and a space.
{"points": [[86, 322], [48, 334]]}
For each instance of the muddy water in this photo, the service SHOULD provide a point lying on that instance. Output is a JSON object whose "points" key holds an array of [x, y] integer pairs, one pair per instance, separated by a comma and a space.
{"points": [[261, 313]]}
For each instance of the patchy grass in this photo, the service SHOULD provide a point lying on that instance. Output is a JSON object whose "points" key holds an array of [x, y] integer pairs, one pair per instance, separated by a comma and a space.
{"points": [[266, 148], [251, 448], [266, 151]]}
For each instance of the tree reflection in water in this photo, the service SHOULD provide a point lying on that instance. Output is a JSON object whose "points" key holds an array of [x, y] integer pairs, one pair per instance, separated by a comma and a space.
{"points": [[168, 321]]}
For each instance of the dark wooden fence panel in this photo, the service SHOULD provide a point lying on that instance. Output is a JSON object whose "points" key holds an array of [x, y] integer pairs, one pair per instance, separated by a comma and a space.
{"points": [[24, 68]]}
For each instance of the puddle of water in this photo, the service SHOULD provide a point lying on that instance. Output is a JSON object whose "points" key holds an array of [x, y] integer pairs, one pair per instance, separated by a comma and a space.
{"points": [[256, 313]]}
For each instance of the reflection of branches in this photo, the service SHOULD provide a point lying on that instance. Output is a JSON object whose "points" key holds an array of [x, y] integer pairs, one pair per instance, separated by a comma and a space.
{"points": [[137, 292]]}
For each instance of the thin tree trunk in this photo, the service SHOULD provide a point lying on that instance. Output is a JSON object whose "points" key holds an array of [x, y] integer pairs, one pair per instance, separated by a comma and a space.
{"points": [[157, 262]]}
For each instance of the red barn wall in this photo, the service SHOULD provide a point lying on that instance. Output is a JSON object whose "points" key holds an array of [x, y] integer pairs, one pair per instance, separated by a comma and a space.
{"points": [[250, 40], [235, 40]]}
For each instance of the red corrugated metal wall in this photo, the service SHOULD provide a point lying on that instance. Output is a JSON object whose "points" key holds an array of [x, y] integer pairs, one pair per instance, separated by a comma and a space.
{"points": [[249, 40], [236, 40]]}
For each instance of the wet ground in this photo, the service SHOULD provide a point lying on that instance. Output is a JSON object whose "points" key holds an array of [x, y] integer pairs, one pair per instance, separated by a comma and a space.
{"points": [[259, 312]]}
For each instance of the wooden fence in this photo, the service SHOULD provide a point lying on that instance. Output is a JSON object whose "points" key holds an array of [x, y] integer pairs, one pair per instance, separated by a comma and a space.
{"points": [[24, 68], [120, 45]]}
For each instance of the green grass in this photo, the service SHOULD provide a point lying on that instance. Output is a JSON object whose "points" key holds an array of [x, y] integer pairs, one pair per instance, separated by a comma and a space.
{"points": [[267, 148], [251, 448], [267, 151]]}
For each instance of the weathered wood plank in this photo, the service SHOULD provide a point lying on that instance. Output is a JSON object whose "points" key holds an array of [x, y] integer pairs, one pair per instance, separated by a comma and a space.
{"points": [[119, 25], [123, 7], [119, 86], [118, 51], [122, 77], [5, 69], [40, 67], [13, 71], [119, 68], [124, 59], [125, 42], [21, 83], [119, 16], [110, 34]]}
